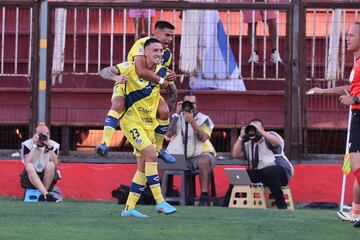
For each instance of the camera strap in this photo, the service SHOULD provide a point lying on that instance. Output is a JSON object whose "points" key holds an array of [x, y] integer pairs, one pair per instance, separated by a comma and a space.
{"points": [[254, 155]]}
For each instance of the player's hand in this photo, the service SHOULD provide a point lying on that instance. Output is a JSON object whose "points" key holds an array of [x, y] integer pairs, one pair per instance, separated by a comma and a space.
{"points": [[346, 99], [165, 84], [171, 76], [178, 107], [315, 90], [120, 78]]}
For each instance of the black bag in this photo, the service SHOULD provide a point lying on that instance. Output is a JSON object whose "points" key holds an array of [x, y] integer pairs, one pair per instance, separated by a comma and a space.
{"points": [[122, 193]]}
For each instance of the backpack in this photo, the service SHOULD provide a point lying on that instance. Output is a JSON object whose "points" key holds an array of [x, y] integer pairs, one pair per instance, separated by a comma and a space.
{"points": [[122, 193]]}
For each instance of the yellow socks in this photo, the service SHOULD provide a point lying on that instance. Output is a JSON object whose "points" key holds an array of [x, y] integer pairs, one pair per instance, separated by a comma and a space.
{"points": [[110, 125], [136, 189], [153, 179], [160, 132]]}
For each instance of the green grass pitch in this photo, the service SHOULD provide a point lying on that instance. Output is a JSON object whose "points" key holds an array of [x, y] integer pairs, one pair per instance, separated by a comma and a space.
{"points": [[101, 220]]}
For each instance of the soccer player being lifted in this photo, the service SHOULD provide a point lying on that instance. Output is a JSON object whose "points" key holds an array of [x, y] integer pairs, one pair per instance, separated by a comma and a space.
{"points": [[139, 124], [164, 32]]}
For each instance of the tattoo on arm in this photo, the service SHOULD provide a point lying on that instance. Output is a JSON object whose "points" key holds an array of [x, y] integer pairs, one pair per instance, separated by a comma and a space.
{"points": [[109, 72], [172, 96], [172, 127]]}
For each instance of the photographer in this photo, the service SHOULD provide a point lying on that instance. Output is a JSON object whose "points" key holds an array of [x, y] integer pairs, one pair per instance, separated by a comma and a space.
{"points": [[267, 163], [39, 155], [190, 131]]}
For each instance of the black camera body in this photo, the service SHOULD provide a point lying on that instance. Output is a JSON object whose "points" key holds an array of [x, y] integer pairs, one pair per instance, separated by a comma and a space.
{"points": [[251, 131], [43, 137], [187, 106]]}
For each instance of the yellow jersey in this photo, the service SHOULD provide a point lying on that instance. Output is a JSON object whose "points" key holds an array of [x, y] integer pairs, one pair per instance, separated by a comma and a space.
{"points": [[141, 96], [138, 50]]}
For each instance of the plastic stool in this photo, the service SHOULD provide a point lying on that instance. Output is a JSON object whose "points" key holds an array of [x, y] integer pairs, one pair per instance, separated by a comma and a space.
{"points": [[31, 195]]}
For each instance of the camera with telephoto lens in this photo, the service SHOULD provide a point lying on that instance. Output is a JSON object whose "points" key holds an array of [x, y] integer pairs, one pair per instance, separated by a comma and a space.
{"points": [[43, 138], [251, 131], [187, 106]]}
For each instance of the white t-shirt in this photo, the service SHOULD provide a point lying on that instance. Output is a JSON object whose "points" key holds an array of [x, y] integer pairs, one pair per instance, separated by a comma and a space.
{"points": [[41, 156]]}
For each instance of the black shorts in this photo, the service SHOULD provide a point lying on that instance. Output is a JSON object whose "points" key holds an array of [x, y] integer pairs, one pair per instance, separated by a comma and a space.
{"points": [[25, 181], [355, 131]]}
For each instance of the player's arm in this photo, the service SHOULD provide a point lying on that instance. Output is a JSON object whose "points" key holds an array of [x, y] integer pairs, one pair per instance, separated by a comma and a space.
{"points": [[335, 90], [143, 72], [113, 73]]}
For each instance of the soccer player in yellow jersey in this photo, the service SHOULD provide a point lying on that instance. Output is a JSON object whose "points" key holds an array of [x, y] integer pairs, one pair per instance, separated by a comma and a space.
{"points": [[164, 32], [138, 125]]}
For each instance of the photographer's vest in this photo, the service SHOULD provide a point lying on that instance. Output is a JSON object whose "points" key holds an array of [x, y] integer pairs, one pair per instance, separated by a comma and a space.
{"points": [[262, 154], [41, 158], [195, 147]]}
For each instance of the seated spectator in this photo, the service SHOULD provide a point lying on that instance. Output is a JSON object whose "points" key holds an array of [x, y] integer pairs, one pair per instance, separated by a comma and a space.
{"points": [[39, 155], [267, 162], [138, 16], [191, 130]]}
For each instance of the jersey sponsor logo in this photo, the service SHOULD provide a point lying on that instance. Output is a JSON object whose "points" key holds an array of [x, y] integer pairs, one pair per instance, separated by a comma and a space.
{"points": [[147, 120], [144, 110]]}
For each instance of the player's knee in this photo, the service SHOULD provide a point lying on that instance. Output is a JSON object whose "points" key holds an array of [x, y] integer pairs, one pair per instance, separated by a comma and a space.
{"points": [[117, 104], [163, 112]]}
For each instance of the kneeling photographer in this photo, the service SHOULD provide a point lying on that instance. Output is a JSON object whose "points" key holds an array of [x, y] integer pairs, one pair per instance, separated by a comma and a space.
{"points": [[190, 131], [267, 162], [39, 155]]}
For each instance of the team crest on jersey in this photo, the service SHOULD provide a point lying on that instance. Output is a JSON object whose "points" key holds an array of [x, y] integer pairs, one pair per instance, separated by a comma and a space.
{"points": [[125, 64], [141, 51], [138, 140]]}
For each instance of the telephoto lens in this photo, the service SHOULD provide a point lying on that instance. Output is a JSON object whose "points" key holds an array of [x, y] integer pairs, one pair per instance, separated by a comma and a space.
{"points": [[250, 131]]}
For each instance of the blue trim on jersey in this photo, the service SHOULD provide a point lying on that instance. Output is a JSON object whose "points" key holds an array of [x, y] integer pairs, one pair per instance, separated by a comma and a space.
{"points": [[153, 180], [137, 188], [110, 121], [166, 56], [162, 72], [161, 129], [137, 95]]}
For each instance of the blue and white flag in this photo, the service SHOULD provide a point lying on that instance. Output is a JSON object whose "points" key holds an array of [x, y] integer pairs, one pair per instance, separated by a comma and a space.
{"points": [[217, 68]]}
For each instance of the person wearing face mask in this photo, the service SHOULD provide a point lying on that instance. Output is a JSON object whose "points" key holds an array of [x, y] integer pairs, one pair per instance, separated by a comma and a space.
{"points": [[267, 162]]}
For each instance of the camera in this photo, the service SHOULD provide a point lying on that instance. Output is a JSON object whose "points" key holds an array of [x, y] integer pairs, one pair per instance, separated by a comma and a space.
{"points": [[43, 137], [187, 106], [251, 131]]}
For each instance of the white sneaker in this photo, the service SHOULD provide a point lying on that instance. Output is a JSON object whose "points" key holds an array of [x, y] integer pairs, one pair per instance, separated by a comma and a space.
{"points": [[348, 216], [275, 57], [254, 58]]}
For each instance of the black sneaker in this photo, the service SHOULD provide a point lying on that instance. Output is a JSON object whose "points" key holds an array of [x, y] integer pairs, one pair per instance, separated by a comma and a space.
{"points": [[357, 224], [51, 198], [41, 198], [204, 200]]}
